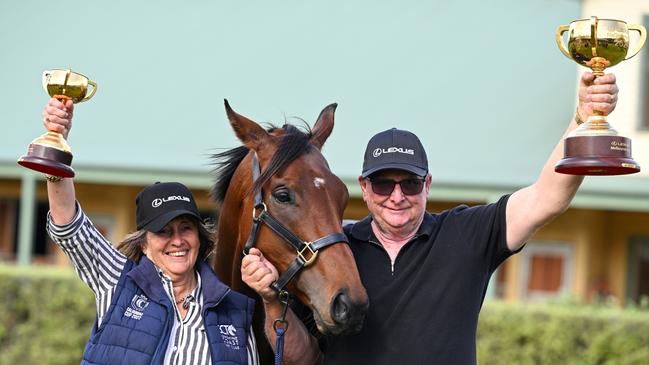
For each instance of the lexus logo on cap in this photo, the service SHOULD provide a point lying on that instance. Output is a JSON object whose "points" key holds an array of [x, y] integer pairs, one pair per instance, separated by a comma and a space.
{"points": [[158, 202], [379, 151]]}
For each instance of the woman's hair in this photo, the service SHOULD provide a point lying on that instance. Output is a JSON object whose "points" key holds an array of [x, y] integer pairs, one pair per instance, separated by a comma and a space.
{"points": [[131, 245]]}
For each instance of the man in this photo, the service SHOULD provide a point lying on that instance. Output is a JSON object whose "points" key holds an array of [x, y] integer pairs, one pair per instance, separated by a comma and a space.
{"points": [[426, 274]]}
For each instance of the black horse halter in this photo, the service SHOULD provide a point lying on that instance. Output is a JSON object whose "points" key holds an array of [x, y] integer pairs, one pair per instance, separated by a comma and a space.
{"points": [[260, 215]]}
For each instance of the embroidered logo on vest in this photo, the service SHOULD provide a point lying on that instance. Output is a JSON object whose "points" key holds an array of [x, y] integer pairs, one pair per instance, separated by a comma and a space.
{"points": [[229, 336], [136, 309]]}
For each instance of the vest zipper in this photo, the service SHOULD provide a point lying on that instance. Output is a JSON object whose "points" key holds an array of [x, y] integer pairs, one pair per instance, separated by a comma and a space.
{"points": [[156, 358], [206, 307]]}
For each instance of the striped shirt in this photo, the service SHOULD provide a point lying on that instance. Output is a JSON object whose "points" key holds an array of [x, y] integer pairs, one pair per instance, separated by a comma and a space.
{"points": [[99, 265]]}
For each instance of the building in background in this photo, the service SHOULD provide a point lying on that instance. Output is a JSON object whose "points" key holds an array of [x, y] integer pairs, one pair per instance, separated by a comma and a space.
{"points": [[486, 89]]}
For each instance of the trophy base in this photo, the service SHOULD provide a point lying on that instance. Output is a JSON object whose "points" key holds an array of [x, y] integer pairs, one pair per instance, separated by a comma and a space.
{"points": [[47, 160], [597, 155]]}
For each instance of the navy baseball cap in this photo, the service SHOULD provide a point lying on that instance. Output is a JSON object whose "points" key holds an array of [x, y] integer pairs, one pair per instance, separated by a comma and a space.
{"points": [[158, 204], [395, 149]]}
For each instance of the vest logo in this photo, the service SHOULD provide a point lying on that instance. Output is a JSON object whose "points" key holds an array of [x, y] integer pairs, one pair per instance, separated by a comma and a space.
{"points": [[379, 151], [158, 201], [229, 336], [137, 307]]}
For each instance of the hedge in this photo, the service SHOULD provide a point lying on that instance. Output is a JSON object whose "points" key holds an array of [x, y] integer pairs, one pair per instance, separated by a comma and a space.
{"points": [[46, 315], [565, 334]]}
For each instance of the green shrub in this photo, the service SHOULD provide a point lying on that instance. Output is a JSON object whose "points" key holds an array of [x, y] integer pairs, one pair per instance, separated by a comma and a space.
{"points": [[45, 316], [562, 334]]}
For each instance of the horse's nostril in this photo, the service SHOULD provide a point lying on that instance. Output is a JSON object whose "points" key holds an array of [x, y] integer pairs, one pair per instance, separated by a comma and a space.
{"points": [[340, 308], [347, 314]]}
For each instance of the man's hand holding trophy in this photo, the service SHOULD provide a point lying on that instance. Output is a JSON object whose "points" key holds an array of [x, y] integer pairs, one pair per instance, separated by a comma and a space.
{"points": [[594, 148]]}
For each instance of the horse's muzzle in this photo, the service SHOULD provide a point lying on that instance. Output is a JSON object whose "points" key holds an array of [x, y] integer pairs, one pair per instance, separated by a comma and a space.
{"points": [[347, 314]]}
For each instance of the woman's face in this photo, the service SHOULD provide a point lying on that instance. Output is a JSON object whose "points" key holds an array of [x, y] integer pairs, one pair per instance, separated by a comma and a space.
{"points": [[174, 249]]}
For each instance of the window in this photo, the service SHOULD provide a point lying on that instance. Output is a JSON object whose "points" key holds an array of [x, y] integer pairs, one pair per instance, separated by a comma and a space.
{"points": [[638, 285], [42, 245], [105, 224], [547, 270], [8, 228], [501, 280]]}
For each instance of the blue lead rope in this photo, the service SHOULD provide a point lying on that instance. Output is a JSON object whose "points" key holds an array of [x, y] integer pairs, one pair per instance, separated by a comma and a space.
{"points": [[279, 345], [281, 326]]}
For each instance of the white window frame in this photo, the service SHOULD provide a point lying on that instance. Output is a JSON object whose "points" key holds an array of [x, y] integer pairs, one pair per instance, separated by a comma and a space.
{"points": [[106, 221], [555, 248]]}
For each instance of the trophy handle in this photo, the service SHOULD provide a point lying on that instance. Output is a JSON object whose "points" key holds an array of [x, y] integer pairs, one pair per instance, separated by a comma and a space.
{"points": [[559, 37], [643, 37], [92, 93], [46, 73]]}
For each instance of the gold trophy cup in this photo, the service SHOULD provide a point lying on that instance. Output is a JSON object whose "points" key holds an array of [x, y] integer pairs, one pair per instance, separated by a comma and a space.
{"points": [[50, 152], [594, 148]]}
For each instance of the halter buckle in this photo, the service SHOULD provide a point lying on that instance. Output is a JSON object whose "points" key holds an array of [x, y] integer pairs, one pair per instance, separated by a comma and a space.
{"points": [[261, 207], [314, 254]]}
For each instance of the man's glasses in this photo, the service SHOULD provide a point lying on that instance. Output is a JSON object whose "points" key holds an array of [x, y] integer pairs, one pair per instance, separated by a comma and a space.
{"points": [[411, 186]]}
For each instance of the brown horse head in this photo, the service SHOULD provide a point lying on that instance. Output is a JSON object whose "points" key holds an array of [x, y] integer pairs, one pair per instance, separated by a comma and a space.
{"points": [[299, 191]]}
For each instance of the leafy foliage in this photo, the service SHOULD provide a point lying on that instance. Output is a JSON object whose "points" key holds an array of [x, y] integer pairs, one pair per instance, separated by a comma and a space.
{"points": [[46, 316], [567, 334]]}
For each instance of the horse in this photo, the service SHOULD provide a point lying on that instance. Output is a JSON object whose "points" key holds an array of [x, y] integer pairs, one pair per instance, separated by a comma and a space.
{"points": [[280, 175]]}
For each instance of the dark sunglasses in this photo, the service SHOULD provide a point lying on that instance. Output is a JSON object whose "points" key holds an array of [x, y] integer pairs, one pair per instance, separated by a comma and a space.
{"points": [[412, 186]]}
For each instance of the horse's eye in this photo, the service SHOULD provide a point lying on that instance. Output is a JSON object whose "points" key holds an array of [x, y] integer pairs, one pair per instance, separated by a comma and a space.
{"points": [[282, 195]]}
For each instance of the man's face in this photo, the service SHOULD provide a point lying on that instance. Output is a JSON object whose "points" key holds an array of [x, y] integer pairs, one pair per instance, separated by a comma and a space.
{"points": [[396, 212]]}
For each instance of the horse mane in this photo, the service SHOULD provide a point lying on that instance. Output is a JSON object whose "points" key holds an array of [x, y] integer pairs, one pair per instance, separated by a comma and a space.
{"points": [[294, 143]]}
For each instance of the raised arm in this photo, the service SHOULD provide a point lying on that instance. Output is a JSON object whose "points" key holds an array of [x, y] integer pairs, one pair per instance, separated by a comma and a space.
{"points": [[300, 347], [95, 259], [530, 208], [57, 117]]}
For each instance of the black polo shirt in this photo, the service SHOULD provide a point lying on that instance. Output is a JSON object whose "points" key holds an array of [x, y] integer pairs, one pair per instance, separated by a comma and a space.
{"points": [[424, 310]]}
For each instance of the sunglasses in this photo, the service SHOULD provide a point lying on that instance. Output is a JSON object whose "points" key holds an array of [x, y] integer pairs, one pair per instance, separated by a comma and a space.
{"points": [[412, 186]]}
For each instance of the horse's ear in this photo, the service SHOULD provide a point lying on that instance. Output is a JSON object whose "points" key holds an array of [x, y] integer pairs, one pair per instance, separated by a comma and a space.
{"points": [[323, 126], [249, 133]]}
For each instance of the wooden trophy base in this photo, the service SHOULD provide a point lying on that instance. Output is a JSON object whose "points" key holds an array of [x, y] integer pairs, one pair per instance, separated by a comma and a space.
{"points": [[48, 160], [597, 155]]}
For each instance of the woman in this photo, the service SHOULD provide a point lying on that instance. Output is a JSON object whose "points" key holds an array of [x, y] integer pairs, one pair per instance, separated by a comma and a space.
{"points": [[158, 301]]}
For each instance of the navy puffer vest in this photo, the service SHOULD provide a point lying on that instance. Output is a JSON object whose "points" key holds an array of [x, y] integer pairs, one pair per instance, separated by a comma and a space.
{"points": [[136, 328]]}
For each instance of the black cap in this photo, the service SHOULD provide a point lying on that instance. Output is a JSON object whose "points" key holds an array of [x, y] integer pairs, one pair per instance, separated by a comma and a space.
{"points": [[158, 204], [395, 149]]}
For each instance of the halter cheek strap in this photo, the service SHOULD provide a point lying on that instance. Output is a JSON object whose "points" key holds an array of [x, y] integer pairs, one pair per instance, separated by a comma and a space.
{"points": [[307, 252]]}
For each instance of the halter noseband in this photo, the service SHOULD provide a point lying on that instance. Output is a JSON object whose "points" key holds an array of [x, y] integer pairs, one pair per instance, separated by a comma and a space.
{"points": [[260, 215]]}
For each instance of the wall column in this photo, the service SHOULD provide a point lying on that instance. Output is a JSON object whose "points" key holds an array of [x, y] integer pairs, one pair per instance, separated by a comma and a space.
{"points": [[27, 218]]}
